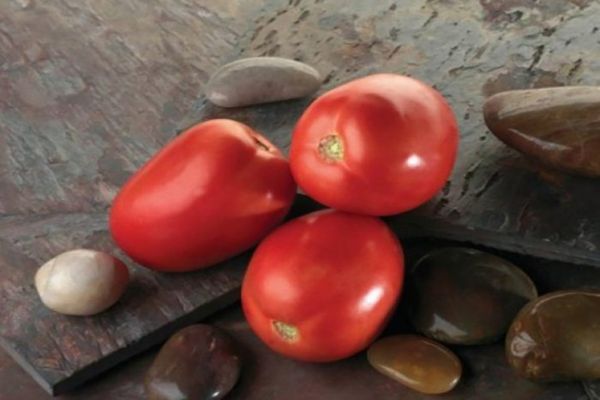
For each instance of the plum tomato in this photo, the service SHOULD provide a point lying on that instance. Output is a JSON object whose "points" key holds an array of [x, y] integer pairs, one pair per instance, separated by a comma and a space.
{"points": [[321, 287], [378, 145], [211, 193]]}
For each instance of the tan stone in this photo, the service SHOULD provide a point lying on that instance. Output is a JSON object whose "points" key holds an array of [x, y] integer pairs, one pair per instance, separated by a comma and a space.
{"points": [[419, 363]]}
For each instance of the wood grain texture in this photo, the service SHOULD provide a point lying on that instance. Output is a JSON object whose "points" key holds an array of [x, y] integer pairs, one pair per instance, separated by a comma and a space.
{"points": [[468, 50]]}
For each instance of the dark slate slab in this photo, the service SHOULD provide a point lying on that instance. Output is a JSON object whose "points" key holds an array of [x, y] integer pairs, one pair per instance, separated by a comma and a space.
{"points": [[467, 50], [61, 352], [90, 91], [80, 112]]}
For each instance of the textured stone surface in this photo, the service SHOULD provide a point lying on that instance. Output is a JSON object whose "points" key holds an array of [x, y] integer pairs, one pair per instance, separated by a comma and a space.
{"points": [[199, 362], [557, 337], [558, 127], [592, 389], [90, 90], [80, 112], [416, 362], [256, 80], [468, 50], [465, 296]]}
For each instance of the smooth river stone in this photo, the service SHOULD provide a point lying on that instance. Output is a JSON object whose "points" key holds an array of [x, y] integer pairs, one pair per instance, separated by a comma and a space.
{"points": [[81, 282], [558, 127], [199, 362], [259, 80], [557, 337], [419, 363], [465, 296]]}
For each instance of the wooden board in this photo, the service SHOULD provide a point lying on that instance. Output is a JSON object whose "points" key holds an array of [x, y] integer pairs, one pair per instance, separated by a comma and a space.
{"points": [[467, 50], [90, 89]]}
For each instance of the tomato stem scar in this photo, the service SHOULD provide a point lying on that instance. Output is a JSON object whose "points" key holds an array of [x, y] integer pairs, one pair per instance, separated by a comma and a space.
{"points": [[288, 332], [331, 148], [260, 144]]}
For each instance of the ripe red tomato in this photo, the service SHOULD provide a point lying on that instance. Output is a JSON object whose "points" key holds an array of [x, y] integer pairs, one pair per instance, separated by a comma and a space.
{"points": [[378, 145], [213, 192], [321, 287]]}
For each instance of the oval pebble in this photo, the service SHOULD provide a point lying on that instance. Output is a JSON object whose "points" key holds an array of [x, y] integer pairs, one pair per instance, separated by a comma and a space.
{"points": [[199, 362], [419, 363], [557, 337], [556, 126], [81, 282], [259, 80], [466, 296]]}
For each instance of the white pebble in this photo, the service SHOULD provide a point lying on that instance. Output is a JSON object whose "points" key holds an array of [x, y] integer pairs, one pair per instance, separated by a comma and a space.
{"points": [[81, 282]]}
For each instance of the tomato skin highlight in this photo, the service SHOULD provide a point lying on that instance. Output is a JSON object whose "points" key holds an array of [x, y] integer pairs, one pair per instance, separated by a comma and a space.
{"points": [[395, 145], [211, 193], [322, 286]]}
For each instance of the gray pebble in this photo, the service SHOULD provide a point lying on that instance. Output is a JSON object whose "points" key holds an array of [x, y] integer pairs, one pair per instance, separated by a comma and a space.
{"points": [[259, 80]]}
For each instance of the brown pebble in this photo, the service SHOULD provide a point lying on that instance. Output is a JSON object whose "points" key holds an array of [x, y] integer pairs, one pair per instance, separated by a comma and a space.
{"points": [[419, 363], [556, 126], [199, 362], [466, 296], [557, 337]]}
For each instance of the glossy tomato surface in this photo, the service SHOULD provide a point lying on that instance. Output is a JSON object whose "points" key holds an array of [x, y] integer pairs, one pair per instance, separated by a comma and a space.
{"points": [[211, 193], [378, 145], [322, 287]]}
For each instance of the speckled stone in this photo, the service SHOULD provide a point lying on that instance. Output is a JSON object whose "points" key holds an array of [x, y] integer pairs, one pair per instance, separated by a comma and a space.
{"points": [[419, 363], [258, 80], [557, 337], [466, 296], [199, 362], [558, 127]]}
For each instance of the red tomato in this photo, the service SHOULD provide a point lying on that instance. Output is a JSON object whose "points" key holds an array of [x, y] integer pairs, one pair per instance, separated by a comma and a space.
{"points": [[213, 192], [378, 145], [322, 287]]}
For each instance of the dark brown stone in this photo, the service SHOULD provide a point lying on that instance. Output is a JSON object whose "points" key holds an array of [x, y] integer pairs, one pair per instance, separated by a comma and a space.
{"points": [[466, 296], [199, 362], [557, 337], [558, 126], [419, 363]]}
